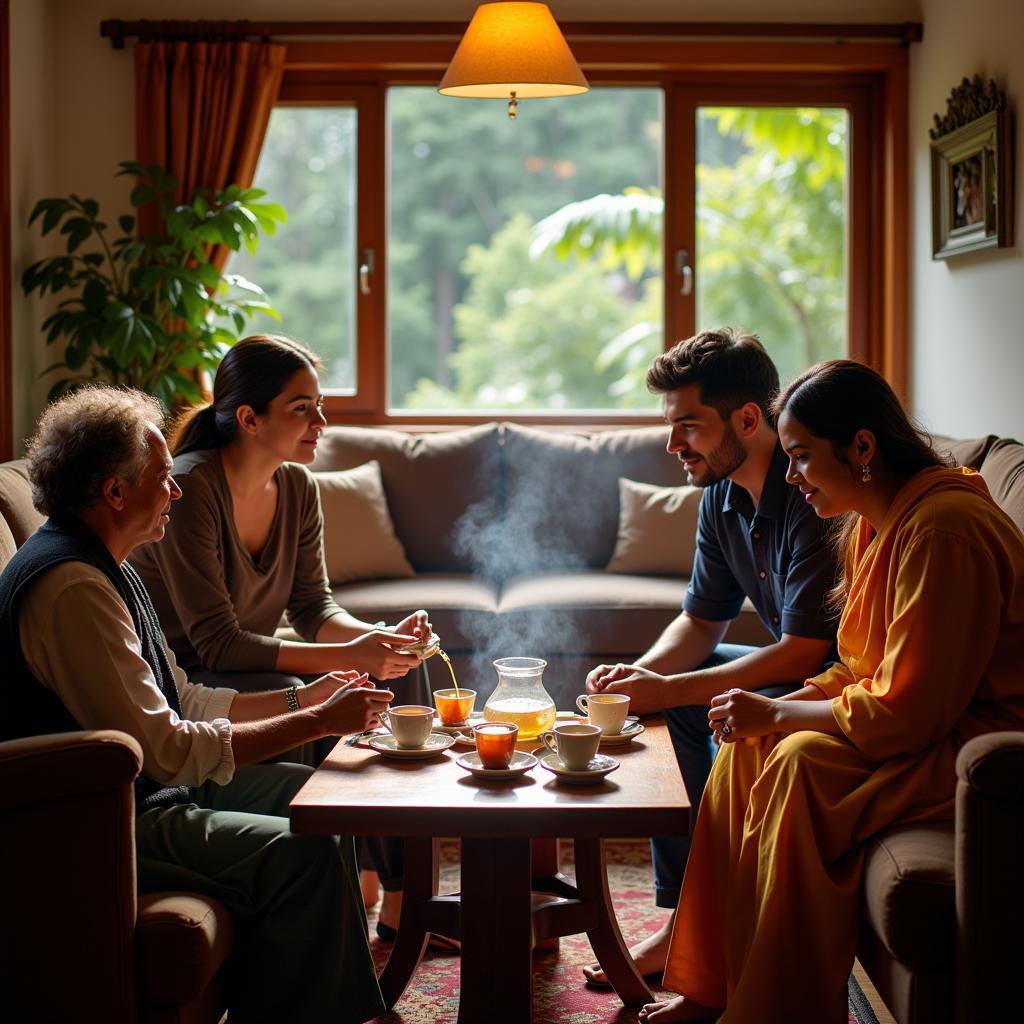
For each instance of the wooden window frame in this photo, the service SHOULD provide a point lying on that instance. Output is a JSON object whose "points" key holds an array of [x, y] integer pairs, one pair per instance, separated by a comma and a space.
{"points": [[869, 79]]}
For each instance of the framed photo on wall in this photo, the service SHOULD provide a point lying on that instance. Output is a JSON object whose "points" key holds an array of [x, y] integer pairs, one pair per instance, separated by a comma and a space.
{"points": [[972, 172]]}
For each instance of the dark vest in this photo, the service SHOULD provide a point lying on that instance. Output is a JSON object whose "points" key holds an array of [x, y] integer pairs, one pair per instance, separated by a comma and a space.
{"points": [[29, 707]]}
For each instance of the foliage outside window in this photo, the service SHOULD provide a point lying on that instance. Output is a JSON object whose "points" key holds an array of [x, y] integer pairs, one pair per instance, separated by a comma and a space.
{"points": [[525, 260]]}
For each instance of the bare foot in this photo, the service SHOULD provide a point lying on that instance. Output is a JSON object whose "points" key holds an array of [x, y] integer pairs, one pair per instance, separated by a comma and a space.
{"points": [[369, 888], [679, 1010], [649, 954], [391, 909]]}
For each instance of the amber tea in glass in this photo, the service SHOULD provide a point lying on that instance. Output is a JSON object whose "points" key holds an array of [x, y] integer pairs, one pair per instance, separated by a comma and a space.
{"points": [[496, 743], [454, 706]]}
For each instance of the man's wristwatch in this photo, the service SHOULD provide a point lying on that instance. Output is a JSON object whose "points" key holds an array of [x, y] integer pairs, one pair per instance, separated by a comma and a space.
{"points": [[291, 698]]}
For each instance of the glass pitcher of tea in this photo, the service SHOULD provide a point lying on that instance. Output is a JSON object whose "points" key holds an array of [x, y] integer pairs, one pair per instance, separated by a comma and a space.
{"points": [[520, 697]]}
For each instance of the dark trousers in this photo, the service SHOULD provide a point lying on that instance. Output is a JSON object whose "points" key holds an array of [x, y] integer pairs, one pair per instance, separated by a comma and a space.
{"points": [[695, 752], [383, 854]]}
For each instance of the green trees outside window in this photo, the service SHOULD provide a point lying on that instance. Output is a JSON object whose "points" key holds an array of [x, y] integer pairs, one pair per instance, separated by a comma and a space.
{"points": [[525, 267]]}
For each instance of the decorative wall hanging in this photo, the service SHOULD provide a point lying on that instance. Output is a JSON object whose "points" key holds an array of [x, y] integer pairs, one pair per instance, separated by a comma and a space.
{"points": [[972, 171]]}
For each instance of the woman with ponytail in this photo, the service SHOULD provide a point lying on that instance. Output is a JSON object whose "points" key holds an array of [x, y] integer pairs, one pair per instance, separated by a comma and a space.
{"points": [[245, 544], [931, 641]]}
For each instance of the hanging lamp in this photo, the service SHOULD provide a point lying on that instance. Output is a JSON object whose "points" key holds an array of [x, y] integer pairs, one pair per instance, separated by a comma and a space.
{"points": [[513, 50]]}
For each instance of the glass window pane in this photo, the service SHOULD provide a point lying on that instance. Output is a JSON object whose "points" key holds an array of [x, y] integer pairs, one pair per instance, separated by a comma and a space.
{"points": [[502, 294], [308, 164], [771, 228]]}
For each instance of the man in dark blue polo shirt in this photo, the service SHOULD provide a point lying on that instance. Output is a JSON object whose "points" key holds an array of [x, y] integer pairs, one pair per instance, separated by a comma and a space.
{"points": [[756, 538]]}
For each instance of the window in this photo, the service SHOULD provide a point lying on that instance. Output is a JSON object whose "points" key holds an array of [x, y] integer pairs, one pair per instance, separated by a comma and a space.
{"points": [[308, 164], [771, 228], [451, 265]]}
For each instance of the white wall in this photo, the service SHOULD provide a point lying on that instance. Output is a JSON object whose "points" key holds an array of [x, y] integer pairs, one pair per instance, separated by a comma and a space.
{"points": [[73, 121], [967, 313]]}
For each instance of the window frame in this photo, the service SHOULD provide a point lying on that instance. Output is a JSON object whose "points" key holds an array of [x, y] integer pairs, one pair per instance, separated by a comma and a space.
{"points": [[868, 79]]}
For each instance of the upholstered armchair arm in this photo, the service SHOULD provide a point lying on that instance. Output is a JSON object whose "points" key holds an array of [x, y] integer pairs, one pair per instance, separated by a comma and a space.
{"points": [[68, 879], [64, 765], [989, 892]]}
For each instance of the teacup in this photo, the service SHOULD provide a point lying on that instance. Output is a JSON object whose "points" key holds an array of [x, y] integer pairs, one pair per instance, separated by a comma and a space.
{"points": [[454, 707], [605, 710], [574, 743], [409, 724], [496, 743]]}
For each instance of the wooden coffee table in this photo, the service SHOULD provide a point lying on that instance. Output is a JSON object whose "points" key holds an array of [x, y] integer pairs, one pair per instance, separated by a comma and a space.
{"points": [[503, 909]]}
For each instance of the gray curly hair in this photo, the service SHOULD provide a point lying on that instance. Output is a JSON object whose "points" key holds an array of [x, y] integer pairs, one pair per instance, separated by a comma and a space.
{"points": [[84, 438]]}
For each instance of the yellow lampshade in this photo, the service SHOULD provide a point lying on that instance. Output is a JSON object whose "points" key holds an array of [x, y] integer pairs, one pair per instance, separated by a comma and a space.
{"points": [[513, 50]]}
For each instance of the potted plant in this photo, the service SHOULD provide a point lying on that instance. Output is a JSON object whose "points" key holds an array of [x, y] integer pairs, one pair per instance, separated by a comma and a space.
{"points": [[150, 311]]}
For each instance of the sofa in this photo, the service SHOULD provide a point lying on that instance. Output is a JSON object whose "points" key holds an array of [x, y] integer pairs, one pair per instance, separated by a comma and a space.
{"points": [[509, 531], [527, 541]]}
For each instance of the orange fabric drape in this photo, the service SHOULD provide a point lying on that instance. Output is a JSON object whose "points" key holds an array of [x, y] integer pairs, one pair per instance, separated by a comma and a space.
{"points": [[201, 111]]}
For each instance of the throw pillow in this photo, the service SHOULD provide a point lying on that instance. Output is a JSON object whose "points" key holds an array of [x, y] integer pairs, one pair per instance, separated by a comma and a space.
{"points": [[657, 529], [359, 537]]}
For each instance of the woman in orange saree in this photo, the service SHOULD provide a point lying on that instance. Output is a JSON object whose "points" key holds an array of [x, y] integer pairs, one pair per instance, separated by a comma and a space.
{"points": [[931, 640]]}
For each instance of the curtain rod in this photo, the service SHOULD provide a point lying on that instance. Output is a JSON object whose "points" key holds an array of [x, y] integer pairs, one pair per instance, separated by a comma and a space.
{"points": [[118, 31]]}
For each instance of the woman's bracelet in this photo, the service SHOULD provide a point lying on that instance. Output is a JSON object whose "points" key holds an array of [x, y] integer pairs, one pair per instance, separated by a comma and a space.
{"points": [[291, 698]]}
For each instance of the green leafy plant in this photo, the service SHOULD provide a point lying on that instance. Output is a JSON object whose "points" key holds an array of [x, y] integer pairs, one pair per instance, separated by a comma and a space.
{"points": [[150, 311]]}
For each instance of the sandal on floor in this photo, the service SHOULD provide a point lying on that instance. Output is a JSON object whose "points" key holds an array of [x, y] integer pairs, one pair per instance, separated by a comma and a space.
{"points": [[599, 985], [437, 943]]}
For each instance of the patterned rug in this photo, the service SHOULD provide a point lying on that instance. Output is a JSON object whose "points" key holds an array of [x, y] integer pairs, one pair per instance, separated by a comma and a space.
{"points": [[559, 996]]}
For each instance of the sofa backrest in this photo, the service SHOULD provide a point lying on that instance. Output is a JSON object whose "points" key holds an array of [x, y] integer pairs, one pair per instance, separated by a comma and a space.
{"points": [[20, 519], [562, 490], [430, 480], [1000, 460], [502, 499]]}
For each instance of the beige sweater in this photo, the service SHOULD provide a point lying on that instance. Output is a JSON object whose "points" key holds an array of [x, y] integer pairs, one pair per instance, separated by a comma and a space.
{"points": [[78, 639], [218, 606]]}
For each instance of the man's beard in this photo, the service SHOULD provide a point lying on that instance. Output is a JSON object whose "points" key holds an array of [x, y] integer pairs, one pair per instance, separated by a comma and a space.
{"points": [[723, 461]]}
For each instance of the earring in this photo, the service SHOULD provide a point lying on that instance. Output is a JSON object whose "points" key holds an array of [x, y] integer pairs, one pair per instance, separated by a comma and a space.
{"points": [[865, 474]]}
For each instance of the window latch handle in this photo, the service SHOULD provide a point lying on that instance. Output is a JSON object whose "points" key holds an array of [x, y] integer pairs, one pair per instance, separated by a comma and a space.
{"points": [[365, 270], [685, 271]]}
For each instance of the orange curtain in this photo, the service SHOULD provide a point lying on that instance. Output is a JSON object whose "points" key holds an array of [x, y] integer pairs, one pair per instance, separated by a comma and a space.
{"points": [[201, 111]]}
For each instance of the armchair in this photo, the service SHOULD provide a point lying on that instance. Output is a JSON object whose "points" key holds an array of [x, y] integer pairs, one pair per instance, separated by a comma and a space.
{"points": [[943, 922], [78, 943]]}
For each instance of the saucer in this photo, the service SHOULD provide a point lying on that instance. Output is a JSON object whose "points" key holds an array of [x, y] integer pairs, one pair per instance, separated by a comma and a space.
{"points": [[600, 765], [629, 732], [463, 727], [388, 746], [520, 764]]}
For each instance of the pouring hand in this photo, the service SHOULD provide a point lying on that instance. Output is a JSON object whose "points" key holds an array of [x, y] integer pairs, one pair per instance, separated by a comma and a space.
{"points": [[418, 624], [375, 653]]}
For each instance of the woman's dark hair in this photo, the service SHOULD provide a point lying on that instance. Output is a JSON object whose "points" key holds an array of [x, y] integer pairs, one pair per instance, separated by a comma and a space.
{"points": [[254, 372], [834, 400]]}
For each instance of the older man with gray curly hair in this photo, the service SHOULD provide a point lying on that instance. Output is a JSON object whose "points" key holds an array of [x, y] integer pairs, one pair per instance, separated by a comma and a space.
{"points": [[82, 649]]}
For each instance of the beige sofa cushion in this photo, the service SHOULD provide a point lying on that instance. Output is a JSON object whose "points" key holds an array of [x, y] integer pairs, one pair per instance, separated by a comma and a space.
{"points": [[598, 613], [16, 501], [430, 481], [1003, 471], [657, 529], [359, 539], [7, 545]]}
